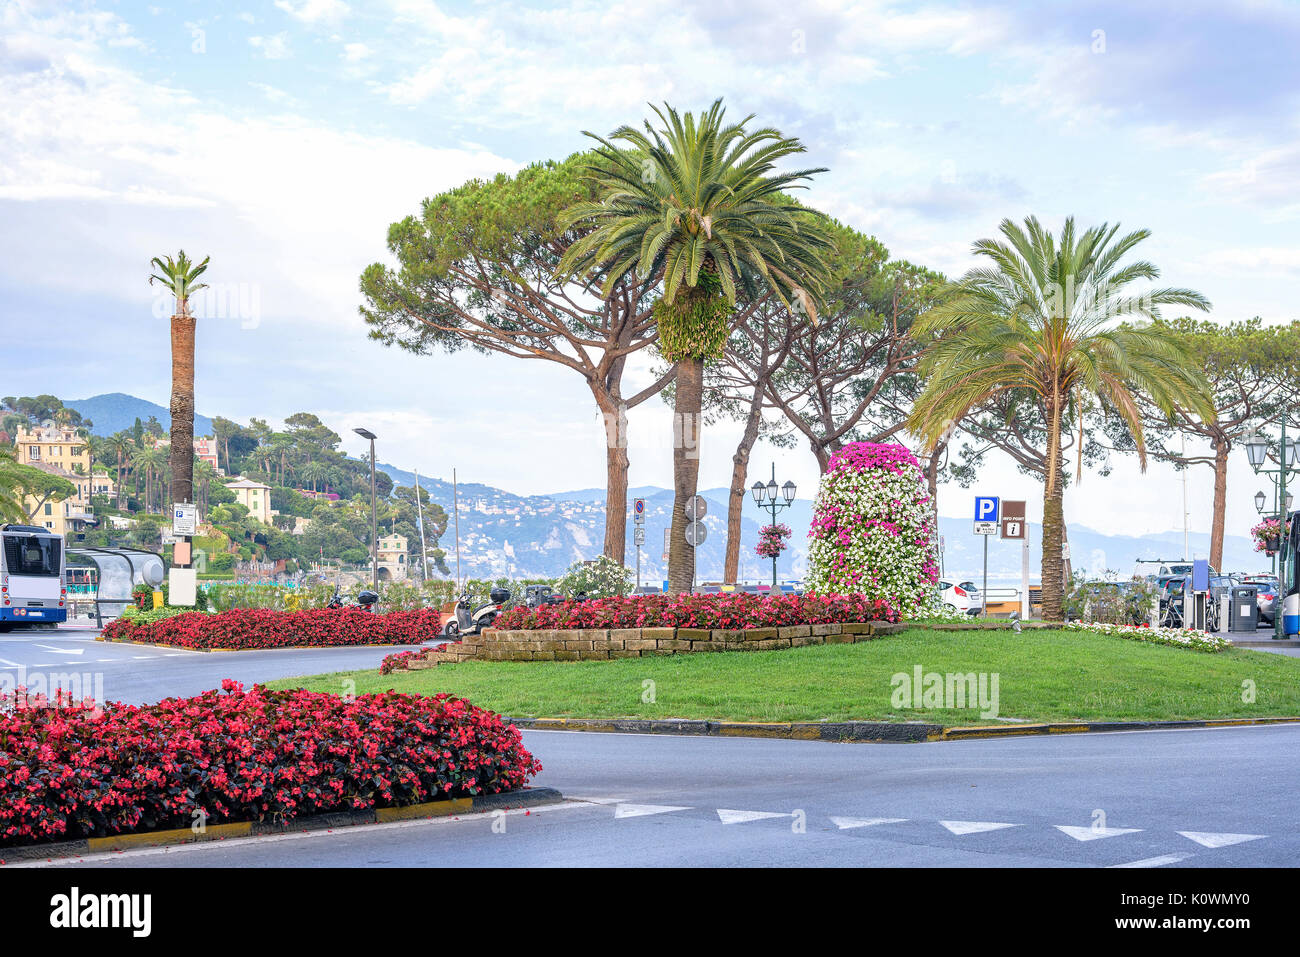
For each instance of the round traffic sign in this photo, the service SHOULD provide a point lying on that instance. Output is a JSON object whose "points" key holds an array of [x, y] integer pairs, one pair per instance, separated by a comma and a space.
{"points": [[696, 533], [696, 507]]}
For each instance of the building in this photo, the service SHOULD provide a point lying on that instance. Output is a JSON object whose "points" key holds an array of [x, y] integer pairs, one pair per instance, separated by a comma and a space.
{"points": [[254, 496], [61, 452], [101, 483], [206, 450], [392, 558], [54, 445]]}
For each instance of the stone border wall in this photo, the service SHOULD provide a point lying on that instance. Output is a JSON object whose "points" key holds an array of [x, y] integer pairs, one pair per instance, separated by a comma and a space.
{"points": [[602, 644]]}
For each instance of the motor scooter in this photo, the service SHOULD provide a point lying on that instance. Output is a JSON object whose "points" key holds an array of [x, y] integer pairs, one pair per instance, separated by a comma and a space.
{"points": [[471, 619], [366, 601]]}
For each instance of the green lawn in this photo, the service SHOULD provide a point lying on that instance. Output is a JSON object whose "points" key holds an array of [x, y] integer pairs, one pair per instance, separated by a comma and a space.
{"points": [[1042, 675]]}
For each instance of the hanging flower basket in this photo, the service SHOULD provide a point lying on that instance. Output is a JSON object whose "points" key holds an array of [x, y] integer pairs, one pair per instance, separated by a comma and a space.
{"points": [[771, 540], [1268, 535]]}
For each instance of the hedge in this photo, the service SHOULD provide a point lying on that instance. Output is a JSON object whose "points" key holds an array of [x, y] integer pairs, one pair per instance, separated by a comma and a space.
{"points": [[70, 770], [251, 628], [724, 610]]}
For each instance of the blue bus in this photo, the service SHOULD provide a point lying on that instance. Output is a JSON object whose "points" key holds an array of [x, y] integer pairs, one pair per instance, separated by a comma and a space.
{"points": [[32, 586]]}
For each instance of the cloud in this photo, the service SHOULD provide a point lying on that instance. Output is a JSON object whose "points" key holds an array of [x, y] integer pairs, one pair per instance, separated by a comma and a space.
{"points": [[273, 47], [356, 52], [314, 11]]}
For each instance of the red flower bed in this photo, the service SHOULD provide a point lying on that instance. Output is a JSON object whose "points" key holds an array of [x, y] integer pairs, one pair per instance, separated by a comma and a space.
{"points": [[80, 771], [260, 628], [725, 610]]}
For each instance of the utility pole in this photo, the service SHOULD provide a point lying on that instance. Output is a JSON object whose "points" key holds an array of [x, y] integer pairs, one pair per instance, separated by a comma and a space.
{"points": [[455, 498], [419, 513], [374, 514]]}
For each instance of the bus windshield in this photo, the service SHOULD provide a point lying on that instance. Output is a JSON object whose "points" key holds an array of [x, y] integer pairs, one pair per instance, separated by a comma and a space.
{"points": [[32, 555]]}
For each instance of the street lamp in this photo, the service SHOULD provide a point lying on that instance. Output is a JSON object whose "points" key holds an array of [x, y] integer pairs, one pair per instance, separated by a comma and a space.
{"points": [[1261, 450], [766, 496], [374, 519]]}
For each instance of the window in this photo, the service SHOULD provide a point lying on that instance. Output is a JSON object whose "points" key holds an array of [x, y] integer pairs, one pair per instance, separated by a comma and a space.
{"points": [[32, 555], [34, 453], [49, 508]]}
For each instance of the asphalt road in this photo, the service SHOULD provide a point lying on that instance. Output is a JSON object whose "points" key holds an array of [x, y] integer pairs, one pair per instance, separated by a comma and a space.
{"points": [[139, 674], [1203, 798]]}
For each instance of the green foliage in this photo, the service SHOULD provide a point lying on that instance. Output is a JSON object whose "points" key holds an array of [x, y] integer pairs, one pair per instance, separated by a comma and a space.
{"points": [[693, 326], [1122, 603]]}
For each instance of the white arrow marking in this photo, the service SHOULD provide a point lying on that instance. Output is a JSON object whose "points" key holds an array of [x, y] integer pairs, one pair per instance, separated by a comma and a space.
{"points": [[1207, 839], [641, 810], [1155, 861], [1093, 834], [844, 823], [973, 827], [740, 817], [63, 651]]}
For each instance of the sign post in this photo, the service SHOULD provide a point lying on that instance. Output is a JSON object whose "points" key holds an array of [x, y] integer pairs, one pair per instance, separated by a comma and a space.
{"points": [[638, 535], [1014, 526], [696, 508], [986, 524]]}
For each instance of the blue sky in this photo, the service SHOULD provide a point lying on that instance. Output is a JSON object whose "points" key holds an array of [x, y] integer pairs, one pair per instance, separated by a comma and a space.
{"points": [[282, 138]]}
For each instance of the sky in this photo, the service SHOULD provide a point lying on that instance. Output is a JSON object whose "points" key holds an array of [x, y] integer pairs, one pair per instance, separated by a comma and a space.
{"points": [[283, 138]]}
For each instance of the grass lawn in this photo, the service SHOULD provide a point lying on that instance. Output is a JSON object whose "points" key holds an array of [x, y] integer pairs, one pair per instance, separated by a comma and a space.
{"points": [[1042, 675]]}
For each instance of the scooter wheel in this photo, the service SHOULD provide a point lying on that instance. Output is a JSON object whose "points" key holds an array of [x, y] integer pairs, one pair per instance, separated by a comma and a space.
{"points": [[451, 629]]}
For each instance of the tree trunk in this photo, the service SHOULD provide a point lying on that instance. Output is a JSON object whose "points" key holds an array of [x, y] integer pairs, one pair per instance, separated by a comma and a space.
{"points": [[739, 475], [1220, 502], [616, 466], [182, 409], [686, 468], [1053, 536]]}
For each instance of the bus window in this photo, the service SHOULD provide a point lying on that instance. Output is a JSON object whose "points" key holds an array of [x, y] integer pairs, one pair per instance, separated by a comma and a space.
{"points": [[32, 555]]}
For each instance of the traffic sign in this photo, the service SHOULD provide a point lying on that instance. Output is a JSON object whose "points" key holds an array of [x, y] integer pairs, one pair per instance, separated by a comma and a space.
{"points": [[986, 515], [185, 518], [696, 507], [1013, 524], [638, 536], [696, 533], [638, 511]]}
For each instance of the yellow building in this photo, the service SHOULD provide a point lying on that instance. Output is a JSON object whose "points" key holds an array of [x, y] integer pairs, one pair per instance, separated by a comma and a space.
{"points": [[254, 496], [392, 558], [62, 452]]}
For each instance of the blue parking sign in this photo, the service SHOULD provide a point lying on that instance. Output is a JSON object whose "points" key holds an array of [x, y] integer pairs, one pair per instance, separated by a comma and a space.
{"points": [[986, 508]]}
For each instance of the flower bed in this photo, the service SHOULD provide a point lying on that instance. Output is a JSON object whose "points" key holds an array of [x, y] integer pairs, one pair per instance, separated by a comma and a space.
{"points": [[725, 610], [1175, 637], [246, 628], [74, 771]]}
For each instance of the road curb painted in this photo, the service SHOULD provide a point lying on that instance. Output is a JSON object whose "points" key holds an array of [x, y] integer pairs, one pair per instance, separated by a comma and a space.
{"points": [[528, 797], [867, 731]]}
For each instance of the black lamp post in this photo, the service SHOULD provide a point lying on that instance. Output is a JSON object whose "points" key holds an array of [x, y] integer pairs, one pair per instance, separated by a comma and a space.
{"points": [[765, 496], [374, 520], [1286, 455]]}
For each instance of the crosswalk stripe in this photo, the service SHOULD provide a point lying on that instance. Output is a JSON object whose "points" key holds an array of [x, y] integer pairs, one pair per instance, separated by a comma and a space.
{"points": [[1094, 833], [641, 810], [973, 827], [1155, 861], [844, 823], [1212, 840], [729, 816]]}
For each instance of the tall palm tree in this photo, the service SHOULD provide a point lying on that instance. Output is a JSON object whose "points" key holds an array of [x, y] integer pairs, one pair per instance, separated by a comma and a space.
{"points": [[151, 460], [180, 276], [204, 473], [697, 204], [118, 446], [1039, 328]]}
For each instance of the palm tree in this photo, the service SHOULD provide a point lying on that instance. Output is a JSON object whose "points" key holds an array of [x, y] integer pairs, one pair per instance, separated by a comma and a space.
{"points": [[152, 461], [118, 446], [697, 204], [204, 473], [180, 276], [12, 508], [1039, 330]]}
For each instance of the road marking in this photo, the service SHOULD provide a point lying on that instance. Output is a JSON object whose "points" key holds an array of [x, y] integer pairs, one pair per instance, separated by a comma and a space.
{"points": [[1211, 840], [143, 657], [973, 827], [729, 816], [641, 810], [1094, 833], [844, 823], [11, 664], [1155, 861], [62, 651], [599, 800]]}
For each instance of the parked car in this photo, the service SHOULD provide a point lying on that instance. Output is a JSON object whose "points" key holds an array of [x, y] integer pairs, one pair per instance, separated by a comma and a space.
{"points": [[1265, 595], [962, 596]]}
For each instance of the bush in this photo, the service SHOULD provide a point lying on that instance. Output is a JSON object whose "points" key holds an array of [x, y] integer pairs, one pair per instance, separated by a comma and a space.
{"points": [[245, 628], [78, 770], [602, 578], [727, 610], [873, 529]]}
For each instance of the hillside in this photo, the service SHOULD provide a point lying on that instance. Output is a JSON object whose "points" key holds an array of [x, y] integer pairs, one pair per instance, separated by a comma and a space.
{"points": [[115, 411]]}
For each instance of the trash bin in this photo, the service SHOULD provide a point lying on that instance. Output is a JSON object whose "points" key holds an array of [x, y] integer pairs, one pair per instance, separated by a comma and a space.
{"points": [[1244, 613]]}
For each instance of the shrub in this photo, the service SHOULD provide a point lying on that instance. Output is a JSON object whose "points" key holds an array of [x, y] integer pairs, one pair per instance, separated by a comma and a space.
{"points": [[873, 529], [245, 628], [602, 578], [726, 610], [1175, 637], [83, 771]]}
